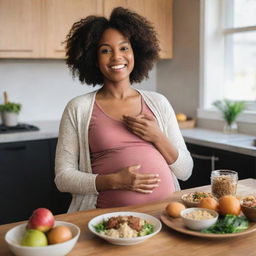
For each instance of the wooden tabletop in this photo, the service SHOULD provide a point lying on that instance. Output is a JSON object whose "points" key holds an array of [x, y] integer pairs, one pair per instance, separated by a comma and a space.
{"points": [[167, 242]]}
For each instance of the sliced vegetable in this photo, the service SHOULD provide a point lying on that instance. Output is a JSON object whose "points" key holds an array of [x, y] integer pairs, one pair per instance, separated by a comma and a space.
{"points": [[228, 224]]}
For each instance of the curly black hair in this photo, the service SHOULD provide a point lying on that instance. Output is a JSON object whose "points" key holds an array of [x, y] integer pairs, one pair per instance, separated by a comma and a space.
{"points": [[82, 43]]}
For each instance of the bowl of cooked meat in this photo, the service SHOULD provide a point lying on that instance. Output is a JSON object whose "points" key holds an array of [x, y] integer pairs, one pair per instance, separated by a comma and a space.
{"points": [[248, 207], [193, 199], [124, 228]]}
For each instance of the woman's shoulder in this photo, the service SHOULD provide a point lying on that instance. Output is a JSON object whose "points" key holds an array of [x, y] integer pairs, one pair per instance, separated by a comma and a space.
{"points": [[81, 100], [156, 97]]}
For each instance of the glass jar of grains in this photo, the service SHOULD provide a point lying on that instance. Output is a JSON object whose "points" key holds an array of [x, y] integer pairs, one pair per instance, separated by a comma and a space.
{"points": [[223, 182]]}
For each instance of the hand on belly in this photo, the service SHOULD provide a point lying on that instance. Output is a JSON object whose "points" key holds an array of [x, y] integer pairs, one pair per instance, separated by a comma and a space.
{"points": [[129, 178]]}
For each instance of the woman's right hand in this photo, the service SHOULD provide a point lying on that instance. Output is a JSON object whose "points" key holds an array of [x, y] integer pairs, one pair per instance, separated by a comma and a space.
{"points": [[129, 179]]}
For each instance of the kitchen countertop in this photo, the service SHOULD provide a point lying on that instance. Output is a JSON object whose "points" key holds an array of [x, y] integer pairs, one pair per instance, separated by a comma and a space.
{"points": [[239, 143], [166, 242], [47, 130]]}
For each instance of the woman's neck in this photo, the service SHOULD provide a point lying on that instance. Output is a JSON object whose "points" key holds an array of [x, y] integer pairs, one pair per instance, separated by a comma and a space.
{"points": [[117, 91]]}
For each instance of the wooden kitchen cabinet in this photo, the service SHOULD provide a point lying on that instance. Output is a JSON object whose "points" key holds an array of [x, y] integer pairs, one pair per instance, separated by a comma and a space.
{"points": [[20, 29], [207, 159], [59, 16], [158, 12], [36, 28], [27, 180]]}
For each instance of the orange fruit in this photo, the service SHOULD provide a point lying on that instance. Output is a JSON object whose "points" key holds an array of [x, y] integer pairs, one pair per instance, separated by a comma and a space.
{"points": [[229, 205], [173, 209], [209, 203], [59, 234]]}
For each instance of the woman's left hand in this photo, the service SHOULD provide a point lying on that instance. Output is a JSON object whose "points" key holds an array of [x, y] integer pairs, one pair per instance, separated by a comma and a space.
{"points": [[144, 126]]}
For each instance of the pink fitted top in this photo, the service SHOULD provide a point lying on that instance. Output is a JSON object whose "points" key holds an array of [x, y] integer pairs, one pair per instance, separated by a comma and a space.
{"points": [[112, 147]]}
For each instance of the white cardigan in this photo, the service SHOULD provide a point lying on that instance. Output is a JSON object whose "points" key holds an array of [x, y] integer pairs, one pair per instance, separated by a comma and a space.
{"points": [[73, 165]]}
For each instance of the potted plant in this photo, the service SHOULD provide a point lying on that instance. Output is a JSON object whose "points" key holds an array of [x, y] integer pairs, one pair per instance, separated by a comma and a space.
{"points": [[10, 112], [230, 111]]}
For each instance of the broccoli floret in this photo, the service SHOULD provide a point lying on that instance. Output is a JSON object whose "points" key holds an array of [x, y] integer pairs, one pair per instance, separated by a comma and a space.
{"points": [[146, 229]]}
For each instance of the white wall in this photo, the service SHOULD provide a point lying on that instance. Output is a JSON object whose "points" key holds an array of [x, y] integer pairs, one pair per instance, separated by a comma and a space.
{"points": [[43, 87], [178, 78]]}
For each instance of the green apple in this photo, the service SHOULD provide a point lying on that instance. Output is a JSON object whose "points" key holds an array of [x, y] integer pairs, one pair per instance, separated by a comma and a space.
{"points": [[34, 238]]}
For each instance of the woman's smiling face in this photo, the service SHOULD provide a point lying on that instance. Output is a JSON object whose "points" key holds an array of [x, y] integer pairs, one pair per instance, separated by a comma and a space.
{"points": [[115, 56]]}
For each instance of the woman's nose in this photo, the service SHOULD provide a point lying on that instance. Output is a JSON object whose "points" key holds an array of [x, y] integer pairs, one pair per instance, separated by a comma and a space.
{"points": [[116, 55]]}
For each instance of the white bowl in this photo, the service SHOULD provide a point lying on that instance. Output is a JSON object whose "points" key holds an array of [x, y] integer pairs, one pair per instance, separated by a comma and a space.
{"points": [[13, 238], [125, 241], [198, 224]]}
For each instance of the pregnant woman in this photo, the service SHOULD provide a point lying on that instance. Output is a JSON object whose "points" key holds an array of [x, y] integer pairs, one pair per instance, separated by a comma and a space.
{"points": [[117, 146]]}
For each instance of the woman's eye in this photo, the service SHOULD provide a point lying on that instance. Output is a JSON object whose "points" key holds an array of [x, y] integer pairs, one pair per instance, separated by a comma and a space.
{"points": [[105, 50], [124, 48]]}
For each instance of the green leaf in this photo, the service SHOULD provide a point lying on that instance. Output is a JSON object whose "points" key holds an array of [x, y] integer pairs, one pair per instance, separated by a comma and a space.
{"points": [[146, 229], [229, 109], [10, 107], [101, 226], [228, 224]]}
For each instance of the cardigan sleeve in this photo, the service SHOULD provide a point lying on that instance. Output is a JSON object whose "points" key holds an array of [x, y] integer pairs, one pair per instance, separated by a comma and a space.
{"points": [[68, 177], [182, 167]]}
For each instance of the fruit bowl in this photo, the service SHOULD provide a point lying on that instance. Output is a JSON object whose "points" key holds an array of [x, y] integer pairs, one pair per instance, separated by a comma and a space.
{"points": [[13, 238], [198, 224]]}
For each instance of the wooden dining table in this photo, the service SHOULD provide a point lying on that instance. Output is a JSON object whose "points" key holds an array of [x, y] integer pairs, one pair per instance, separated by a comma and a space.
{"points": [[166, 242]]}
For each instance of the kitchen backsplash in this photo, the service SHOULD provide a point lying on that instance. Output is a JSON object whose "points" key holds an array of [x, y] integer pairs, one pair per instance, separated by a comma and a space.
{"points": [[44, 87]]}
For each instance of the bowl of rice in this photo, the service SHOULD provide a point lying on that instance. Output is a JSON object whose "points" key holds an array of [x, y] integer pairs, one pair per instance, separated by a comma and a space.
{"points": [[193, 199], [248, 207], [124, 228], [199, 218]]}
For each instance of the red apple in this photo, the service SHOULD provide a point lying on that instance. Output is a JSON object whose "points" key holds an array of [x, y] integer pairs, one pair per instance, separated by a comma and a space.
{"points": [[41, 219]]}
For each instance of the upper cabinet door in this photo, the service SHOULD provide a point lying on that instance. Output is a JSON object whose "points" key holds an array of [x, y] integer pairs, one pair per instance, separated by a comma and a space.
{"points": [[158, 12], [20, 29], [37, 28], [60, 15]]}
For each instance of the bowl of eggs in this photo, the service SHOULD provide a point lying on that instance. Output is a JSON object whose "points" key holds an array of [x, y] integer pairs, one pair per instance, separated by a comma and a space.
{"points": [[42, 236], [198, 218]]}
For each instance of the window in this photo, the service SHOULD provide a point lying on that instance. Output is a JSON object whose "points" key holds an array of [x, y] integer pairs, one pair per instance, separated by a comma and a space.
{"points": [[228, 54]]}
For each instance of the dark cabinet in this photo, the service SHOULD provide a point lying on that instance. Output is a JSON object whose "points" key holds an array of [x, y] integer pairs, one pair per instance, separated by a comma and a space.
{"points": [[207, 159], [27, 180]]}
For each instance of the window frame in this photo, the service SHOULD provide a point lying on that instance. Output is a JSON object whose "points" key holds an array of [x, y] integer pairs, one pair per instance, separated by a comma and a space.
{"points": [[210, 79]]}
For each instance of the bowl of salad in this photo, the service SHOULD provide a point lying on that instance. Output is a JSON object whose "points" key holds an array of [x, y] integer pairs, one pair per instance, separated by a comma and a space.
{"points": [[193, 199], [248, 207], [124, 228]]}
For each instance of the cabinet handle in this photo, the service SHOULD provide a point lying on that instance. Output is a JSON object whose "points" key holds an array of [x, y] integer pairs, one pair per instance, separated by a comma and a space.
{"points": [[204, 157], [212, 158], [16, 148]]}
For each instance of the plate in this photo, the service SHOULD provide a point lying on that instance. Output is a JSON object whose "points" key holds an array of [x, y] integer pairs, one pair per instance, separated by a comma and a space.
{"points": [[177, 224], [125, 241]]}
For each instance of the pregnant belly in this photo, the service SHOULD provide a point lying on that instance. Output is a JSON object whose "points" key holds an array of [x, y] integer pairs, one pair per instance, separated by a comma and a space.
{"points": [[151, 161]]}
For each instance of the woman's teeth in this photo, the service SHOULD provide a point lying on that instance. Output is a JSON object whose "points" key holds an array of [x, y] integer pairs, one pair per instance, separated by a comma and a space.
{"points": [[118, 66]]}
